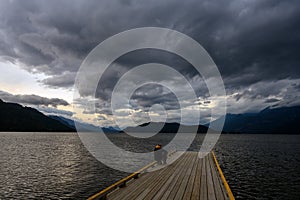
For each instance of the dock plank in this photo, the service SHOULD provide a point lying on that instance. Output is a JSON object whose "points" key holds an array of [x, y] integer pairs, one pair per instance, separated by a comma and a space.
{"points": [[159, 185], [203, 185], [145, 184], [170, 194], [169, 183], [210, 186], [220, 195], [184, 185], [224, 191], [135, 189], [189, 190], [189, 177], [196, 186], [175, 179]]}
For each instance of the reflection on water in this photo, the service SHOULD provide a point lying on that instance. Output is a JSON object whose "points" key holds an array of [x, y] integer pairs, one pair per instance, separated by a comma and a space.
{"points": [[57, 166], [261, 166], [49, 165]]}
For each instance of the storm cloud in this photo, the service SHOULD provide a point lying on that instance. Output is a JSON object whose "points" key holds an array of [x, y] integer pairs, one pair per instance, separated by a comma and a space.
{"points": [[243, 37], [54, 111], [32, 99], [255, 45]]}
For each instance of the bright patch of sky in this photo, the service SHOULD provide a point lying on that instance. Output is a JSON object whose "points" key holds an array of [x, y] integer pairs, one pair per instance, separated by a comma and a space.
{"points": [[17, 81]]}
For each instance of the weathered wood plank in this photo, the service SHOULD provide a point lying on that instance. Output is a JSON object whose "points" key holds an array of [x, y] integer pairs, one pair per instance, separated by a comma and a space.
{"points": [[171, 192], [169, 189], [189, 177], [191, 182], [151, 191], [203, 185], [134, 190], [210, 186], [216, 181], [196, 186], [224, 191], [184, 185], [145, 184], [169, 182]]}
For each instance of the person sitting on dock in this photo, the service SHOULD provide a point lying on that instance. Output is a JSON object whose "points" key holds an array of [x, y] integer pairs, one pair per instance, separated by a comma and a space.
{"points": [[157, 154], [164, 156], [160, 155]]}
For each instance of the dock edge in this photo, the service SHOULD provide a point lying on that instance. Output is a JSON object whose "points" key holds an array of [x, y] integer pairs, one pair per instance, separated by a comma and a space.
{"points": [[229, 192], [103, 193]]}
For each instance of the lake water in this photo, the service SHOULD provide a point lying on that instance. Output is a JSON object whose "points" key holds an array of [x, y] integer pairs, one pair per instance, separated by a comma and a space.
{"points": [[57, 165]]}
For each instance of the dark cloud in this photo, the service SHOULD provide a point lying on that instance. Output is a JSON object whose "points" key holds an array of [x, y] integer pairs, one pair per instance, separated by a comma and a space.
{"points": [[32, 99], [268, 90], [64, 80], [255, 44], [273, 100], [243, 37], [149, 93], [263, 94], [51, 111]]}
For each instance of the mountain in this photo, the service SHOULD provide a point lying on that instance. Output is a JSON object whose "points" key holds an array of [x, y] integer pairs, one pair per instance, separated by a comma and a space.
{"points": [[165, 128], [270, 120], [15, 117], [84, 126], [68, 122]]}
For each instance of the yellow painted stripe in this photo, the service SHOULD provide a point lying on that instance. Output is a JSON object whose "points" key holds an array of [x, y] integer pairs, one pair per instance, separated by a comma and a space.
{"points": [[231, 197], [115, 185]]}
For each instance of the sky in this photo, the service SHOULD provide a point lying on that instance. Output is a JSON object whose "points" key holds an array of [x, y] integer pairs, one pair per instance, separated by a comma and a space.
{"points": [[255, 45]]}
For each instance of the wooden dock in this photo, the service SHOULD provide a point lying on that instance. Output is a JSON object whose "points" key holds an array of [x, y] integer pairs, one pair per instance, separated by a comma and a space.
{"points": [[187, 178]]}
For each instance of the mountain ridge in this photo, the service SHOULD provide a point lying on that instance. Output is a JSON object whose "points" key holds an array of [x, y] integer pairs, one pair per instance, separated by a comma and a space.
{"points": [[83, 126], [18, 118], [268, 120], [161, 127], [15, 117]]}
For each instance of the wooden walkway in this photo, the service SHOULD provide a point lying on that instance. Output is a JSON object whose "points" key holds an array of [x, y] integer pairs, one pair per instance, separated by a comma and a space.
{"points": [[187, 178]]}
